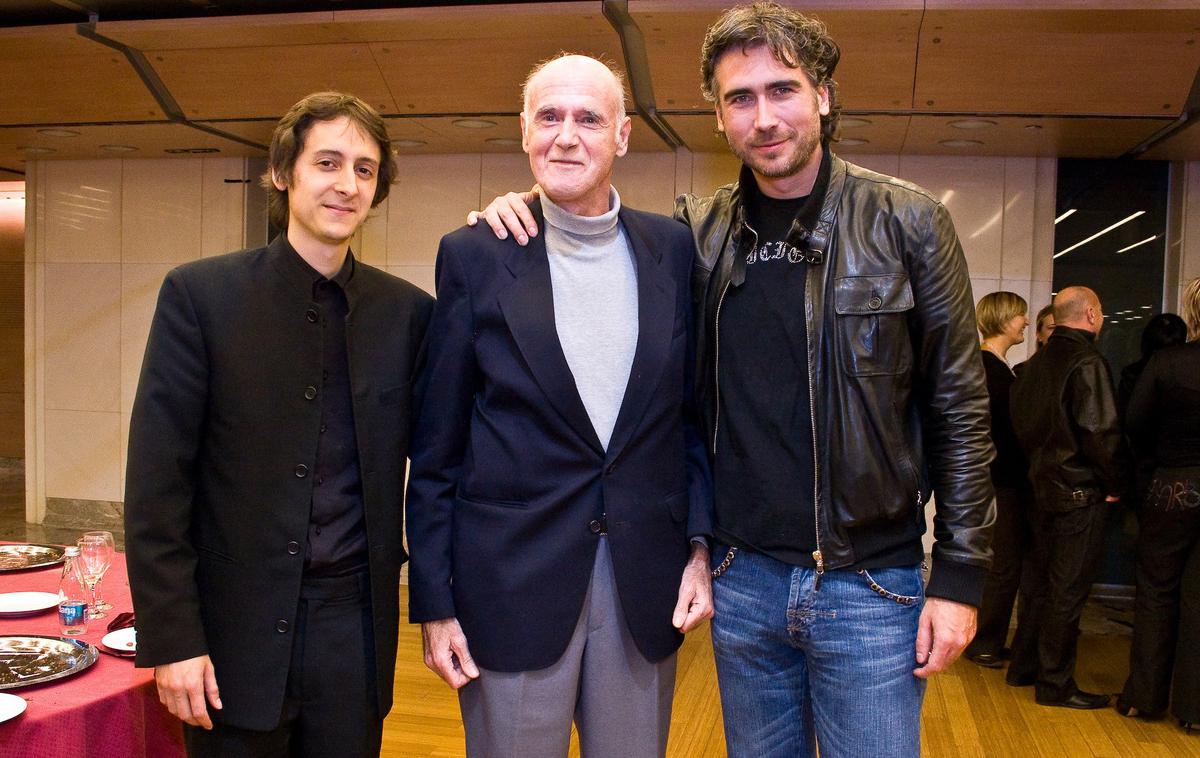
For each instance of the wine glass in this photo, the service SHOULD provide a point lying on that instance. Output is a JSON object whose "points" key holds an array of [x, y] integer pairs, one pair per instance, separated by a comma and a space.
{"points": [[95, 555], [101, 603]]}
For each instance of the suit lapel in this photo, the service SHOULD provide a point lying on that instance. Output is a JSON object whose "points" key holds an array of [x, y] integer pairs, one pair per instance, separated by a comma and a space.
{"points": [[656, 319], [528, 308]]}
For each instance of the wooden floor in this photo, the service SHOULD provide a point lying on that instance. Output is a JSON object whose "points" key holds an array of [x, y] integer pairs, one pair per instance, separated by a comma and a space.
{"points": [[969, 711]]}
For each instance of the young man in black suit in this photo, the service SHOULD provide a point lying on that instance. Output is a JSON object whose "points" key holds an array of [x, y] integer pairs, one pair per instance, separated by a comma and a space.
{"points": [[267, 455]]}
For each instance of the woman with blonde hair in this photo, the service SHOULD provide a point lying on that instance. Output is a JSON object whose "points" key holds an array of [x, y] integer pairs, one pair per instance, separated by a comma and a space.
{"points": [[1164, 419], [1002, 318]]}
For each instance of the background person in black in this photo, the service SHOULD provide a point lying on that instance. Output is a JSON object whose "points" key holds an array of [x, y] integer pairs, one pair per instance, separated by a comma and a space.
{"points": [[1164, 421], [1002, 318], [1065, 416]]}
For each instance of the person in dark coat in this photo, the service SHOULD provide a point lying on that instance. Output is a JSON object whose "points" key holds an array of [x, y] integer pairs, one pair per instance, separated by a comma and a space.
{"points": [[1002, 318], [1163, 420], [267, 452]]}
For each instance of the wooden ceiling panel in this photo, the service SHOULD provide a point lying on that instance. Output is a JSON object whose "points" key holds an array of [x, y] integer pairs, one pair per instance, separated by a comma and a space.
{"points": [[561, 20], [1064, 137], [882, 134], [266, 81], [151, 141], [50, 75], [428, 76], [1133, 62], [229, 31], [878, 42]]}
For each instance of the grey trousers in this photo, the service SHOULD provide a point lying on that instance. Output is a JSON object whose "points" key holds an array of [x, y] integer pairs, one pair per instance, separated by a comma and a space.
{"points": [[620, 702]]}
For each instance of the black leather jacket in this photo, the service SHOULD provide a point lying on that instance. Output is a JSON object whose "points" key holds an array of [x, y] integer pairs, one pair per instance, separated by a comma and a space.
{"points": [[1064, 412], [899, 404]]}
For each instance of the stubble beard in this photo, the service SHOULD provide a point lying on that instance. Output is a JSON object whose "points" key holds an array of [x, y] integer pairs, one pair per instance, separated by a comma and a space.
{"points": [[805, 149]]}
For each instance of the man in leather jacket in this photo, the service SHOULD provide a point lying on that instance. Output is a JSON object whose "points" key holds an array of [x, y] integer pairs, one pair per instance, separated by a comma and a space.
{"points": [[841, 386], [1065, 415]]}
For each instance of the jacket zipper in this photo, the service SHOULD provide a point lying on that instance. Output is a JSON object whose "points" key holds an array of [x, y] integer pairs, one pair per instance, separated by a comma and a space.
{"points": [[716, 367], [818, 557]]}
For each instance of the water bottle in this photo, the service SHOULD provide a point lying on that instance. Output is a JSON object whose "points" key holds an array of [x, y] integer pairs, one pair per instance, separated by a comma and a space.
{"points": [[72, 596]]}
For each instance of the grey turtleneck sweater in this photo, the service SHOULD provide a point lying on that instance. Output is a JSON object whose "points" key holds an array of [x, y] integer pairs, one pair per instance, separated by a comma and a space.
{"points": [[594, 281]]}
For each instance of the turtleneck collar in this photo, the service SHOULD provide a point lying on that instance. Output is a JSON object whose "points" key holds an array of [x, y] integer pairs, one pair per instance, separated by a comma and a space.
{"points": [[583, 226]]}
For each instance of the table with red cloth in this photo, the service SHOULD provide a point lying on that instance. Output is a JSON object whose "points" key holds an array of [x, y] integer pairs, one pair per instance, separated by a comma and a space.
{"points": [[109, 710]]}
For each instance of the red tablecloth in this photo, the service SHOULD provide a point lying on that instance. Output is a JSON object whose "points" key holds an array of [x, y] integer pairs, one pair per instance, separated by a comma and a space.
{"points": [[110, 710]]}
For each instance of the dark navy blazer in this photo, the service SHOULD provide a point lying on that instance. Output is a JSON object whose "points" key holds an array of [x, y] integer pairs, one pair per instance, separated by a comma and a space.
{"points": [[509, 481]]}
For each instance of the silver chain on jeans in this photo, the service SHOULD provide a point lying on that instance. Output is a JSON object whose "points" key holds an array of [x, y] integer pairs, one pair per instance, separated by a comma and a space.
{"points": [[724, 565]]}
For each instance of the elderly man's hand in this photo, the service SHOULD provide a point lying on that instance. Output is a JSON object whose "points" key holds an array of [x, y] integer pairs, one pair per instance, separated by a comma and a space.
{"points": [[945, 630], [183, 686], [509, 213], [695, 592], [446, 652]]}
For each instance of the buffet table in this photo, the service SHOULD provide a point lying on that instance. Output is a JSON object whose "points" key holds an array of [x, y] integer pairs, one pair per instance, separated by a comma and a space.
{"points": [[109, 709]]}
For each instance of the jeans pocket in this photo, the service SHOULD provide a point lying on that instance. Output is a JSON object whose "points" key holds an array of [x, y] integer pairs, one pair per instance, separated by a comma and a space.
{"points": [[882, 591]]}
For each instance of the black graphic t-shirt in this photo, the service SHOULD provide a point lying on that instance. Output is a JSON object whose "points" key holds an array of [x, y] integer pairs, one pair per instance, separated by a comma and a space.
{"points": [[764, 463]]}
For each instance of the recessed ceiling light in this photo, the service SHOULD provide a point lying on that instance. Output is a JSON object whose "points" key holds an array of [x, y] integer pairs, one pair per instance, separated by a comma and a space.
{"points": [[960, 142], [31, 150], [852, 142], [118, 148], [852, 122], [190, 150], [973, 123], [1034, 127], [474, 123], [58, 132], [504, 141], [408, 143]]}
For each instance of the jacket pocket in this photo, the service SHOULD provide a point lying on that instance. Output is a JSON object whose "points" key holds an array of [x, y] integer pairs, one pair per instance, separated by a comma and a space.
{"points": [[395, 395], [872, 321], [489, 501]]}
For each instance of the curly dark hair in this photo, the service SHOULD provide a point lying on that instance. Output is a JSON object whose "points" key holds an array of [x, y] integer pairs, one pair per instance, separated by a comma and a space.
{"points": [[796, 41], [288, 142]]}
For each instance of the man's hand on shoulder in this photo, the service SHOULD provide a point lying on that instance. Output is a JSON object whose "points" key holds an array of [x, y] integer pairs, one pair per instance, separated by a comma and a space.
{"points": [[509, 213], [446, 652], [695, 592], [183, 687], [945, 629]]}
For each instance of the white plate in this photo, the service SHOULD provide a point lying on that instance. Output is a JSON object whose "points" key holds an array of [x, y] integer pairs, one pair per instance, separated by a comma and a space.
{"points": [[27, 603], [11, 706], [122, 640]]}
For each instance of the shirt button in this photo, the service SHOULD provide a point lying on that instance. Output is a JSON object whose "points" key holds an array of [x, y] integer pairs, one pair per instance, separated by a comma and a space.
{"points": [[301, 471], [594, 526], [875, 303], [310, 393], [322, 428], [293, 547], [281, 626], [311, 315]]}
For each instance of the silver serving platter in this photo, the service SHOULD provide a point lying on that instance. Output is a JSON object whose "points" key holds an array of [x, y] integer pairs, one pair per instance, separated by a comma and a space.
{"points": [[27, 659], [21, 557]]}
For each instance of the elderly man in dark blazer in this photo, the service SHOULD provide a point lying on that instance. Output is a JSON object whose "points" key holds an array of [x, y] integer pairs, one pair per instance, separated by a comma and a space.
{"points": [[556, 486], [267, 454]]}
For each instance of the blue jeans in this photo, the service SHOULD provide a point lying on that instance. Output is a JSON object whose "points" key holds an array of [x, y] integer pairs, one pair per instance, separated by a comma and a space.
{"points": [[800, 666]]}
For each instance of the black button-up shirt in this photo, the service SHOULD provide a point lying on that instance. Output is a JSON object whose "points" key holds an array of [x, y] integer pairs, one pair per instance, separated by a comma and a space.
{"points": [[337, 537]]}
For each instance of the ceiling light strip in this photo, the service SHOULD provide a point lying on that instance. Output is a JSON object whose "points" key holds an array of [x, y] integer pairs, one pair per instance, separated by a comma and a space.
{"points": [[1066, 213], [1130, 247], [1080, 243]]}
